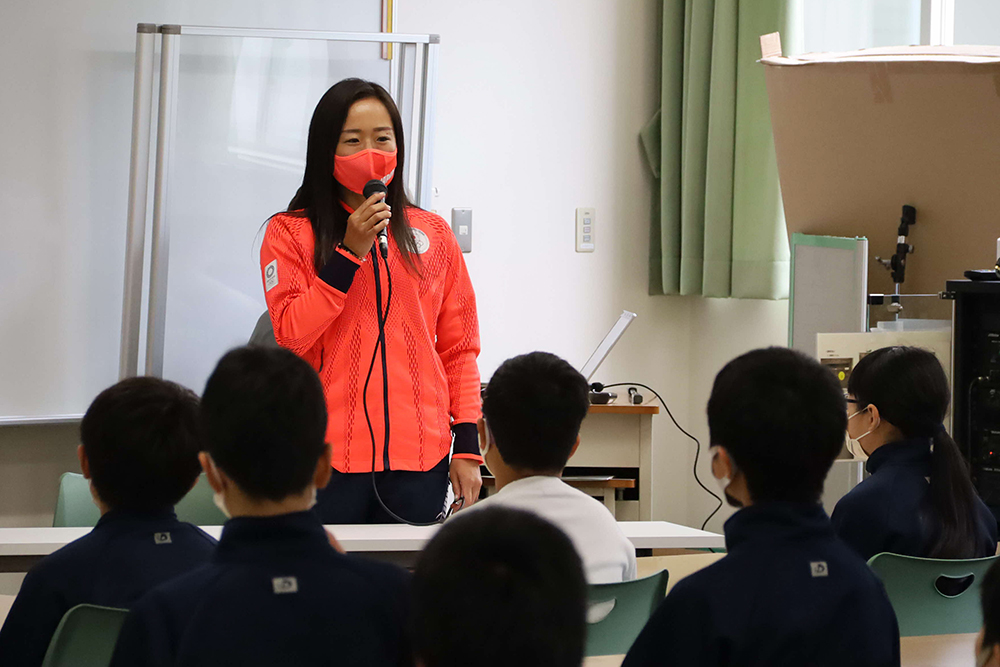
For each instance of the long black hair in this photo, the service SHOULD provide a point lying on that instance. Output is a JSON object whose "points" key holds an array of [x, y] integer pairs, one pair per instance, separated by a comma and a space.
{"points": [[318, 197], [910, 390]]}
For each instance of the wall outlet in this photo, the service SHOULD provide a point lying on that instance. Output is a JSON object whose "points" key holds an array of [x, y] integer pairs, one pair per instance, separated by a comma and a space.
{"points": [[585, 218]]}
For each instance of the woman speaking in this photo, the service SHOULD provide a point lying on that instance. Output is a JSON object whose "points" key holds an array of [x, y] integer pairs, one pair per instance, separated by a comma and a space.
{"points": [[395, 405]]}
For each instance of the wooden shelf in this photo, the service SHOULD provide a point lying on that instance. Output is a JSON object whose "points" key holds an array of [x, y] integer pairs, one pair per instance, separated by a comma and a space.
{"points": [[624, 409]]}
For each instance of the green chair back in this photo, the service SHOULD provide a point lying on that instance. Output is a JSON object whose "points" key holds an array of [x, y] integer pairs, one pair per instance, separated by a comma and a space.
{"points": [[622, 611], [85, 637], [927, 594], [74, 506], [197, 506]]}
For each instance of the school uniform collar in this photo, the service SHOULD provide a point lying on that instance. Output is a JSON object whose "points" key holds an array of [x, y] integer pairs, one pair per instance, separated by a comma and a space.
{"points": [[770, 521], [532, 482], [284, 534], [123, 517], [914, 451]]}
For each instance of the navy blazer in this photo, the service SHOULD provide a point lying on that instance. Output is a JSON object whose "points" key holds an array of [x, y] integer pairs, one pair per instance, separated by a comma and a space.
{"points": [[890, 511], [123, 557], [275, 593], [787, 593]]}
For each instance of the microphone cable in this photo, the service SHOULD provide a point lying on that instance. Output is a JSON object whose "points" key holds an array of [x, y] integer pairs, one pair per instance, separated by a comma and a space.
{"points": [[382, 317], [597, 386]]}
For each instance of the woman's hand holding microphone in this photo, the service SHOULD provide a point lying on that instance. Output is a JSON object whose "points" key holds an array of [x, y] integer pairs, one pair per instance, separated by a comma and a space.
{"points": [[365, 223]]}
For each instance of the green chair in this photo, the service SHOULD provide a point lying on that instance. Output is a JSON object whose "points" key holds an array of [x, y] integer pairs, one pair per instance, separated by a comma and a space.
{"points": [[85, 637], [197, 506], [75, 507], [931, 596], [622, 611]]}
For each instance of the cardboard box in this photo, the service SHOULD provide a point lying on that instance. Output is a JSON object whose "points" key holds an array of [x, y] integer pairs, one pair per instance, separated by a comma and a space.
{"points": [[860, 134]]}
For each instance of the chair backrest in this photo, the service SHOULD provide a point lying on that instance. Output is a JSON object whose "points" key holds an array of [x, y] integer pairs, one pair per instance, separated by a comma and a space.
{"points": [[931, 596], [618, 612], [76, 508], [263, 332], [197, 506], [74, 505], [85, 637]]}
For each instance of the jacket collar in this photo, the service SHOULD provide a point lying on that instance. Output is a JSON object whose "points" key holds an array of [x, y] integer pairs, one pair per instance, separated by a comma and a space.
{"points": [[914, 451], [121, 517], [296, 533], [770, 521]]}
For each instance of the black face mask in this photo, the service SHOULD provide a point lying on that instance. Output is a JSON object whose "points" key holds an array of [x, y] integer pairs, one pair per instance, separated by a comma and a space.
{"points": [[732, 501]]}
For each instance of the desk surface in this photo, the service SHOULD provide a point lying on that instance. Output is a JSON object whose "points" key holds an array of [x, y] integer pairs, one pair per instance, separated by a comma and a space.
{"points": [[931, 651], [374, 538], [624, 409]]}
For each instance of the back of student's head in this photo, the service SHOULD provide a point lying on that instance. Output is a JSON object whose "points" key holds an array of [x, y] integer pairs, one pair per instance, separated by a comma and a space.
{"points": [[910, 389], [499, 587], [782, 417], [141, 439], [264, 417], [534, 405]]}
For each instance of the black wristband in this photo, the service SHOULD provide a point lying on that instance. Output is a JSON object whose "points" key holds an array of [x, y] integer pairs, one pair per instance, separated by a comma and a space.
{"points": [[339, 272], [466, 438]]}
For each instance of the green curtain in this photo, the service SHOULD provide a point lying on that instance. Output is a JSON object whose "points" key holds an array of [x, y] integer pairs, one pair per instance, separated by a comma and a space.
{"points": [[719, 227]]}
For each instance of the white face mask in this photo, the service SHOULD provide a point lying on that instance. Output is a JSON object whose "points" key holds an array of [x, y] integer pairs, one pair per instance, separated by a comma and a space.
{"points": [[485, 448], [724, 482], [854, 444], [220, 502]]}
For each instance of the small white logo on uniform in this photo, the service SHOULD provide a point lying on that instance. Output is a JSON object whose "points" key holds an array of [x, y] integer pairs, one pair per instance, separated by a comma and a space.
{"points": [[161, 538], [421, 241], [284, 585], [819, 568], [271, 276]]}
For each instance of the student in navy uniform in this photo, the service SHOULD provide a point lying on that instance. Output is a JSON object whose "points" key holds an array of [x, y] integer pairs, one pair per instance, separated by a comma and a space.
{"points": [[789, 592], [496, 588], [919, 500], [988, 642], [276, 591], [140, 451]]}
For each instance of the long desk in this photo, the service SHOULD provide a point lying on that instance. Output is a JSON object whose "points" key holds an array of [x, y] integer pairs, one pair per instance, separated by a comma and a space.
{"points": [[930, 651], [20, 548]]}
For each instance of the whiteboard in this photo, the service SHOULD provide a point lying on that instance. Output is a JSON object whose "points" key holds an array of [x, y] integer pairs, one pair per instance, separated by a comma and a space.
{"points": [[67, 75], [829, 290]]}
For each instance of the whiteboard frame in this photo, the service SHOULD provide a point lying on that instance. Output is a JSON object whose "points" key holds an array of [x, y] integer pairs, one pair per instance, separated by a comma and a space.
{"points": [[426, 50]]}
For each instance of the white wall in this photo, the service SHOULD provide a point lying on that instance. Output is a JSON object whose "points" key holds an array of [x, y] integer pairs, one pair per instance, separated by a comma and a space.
{"points": [[539, 109]]}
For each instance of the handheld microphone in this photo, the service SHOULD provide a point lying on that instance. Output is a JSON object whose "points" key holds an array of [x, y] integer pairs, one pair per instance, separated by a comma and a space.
{"points": [[371, 187]]}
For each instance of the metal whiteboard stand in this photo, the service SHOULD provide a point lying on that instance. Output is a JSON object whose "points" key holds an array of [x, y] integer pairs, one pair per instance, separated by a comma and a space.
{"points": [[421, 124], [142, 103]]}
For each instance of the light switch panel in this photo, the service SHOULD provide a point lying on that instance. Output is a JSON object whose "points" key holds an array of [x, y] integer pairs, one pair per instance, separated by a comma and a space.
{"points": [[585, 229], [461, 224]]}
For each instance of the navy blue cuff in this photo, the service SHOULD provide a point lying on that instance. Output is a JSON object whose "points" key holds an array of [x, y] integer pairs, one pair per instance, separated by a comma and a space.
{"points": [[466, 438], [339, 272]]}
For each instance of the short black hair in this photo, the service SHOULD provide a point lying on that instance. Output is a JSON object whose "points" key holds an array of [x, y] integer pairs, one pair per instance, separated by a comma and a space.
{"points": [[141, 438], [534, 405], [783, 417], [264, 417], [532, 578], [989, 595]]}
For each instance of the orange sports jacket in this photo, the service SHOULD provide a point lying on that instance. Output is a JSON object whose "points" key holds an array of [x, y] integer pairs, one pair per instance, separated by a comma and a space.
{"points": [[432, 342]]}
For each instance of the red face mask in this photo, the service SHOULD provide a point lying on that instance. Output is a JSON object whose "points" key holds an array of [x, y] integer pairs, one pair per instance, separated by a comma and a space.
{"points": [[353, 171]]}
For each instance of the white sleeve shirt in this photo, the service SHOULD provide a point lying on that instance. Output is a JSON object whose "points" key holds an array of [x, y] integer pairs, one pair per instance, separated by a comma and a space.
{"points": [[608, 556]]}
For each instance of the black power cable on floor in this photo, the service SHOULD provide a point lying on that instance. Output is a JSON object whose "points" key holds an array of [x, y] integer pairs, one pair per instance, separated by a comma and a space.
{"points": [[597, 386]]}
